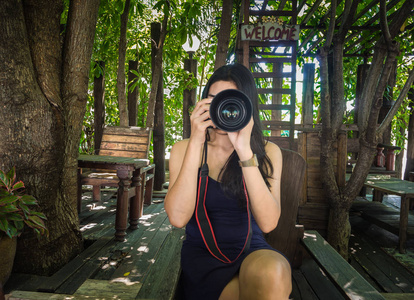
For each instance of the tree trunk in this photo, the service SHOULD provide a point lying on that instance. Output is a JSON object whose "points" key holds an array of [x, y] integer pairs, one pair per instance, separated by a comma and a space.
{"points": [[224, 34], [121, 78], [132, 94], [339, 229], [44, 100]]}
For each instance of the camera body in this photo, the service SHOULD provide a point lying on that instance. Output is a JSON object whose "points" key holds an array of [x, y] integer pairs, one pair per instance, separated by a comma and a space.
{"points": [[231, 110]]}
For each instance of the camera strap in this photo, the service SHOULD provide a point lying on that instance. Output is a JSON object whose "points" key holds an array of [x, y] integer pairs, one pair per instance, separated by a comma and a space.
{"points": [[203, 220]]}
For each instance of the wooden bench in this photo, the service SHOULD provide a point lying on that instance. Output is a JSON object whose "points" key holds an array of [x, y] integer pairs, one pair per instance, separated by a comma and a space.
{"points": [[348, 281], [130, 142]]}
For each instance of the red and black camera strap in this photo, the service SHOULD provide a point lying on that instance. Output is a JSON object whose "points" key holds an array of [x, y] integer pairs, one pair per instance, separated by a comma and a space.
{"points": [[203, 221]]}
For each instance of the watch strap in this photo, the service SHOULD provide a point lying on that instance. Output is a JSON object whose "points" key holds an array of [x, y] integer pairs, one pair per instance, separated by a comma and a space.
{"points": [[252, 162]]}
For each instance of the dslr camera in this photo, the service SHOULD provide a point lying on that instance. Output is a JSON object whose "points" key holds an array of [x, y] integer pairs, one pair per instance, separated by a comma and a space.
{"points": [[231, 110]]}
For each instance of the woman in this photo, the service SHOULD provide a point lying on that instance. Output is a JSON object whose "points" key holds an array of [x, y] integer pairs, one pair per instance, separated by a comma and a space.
{"points": [[255, 272]]}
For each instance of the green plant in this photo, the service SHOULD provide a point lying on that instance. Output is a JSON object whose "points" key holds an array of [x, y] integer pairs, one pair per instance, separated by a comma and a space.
{"points": [[15, 209]]}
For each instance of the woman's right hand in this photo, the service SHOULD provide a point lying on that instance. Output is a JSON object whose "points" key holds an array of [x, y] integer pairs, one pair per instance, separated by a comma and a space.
{"points": [[200, 120]]}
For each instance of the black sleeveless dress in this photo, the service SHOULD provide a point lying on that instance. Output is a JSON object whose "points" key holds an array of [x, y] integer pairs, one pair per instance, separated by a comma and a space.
{"points": [[203, 276]]}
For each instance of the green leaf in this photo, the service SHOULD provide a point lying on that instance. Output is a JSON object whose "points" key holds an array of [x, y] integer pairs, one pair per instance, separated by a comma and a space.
{"points": [[12, 231], [19, 225], [7, 200], [15, 217], [3, 178], [8, 209], [39, 214], [4, 225], [28, 200], [11, 176], [35, 222], [25, 209], [18, 185]]}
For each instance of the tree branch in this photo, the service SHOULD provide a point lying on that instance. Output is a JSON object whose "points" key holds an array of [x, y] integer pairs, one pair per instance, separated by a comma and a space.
{"points": [[379, 91], [331, 29], [388, 118], [401, 16], [370, 86], [384, 22]]}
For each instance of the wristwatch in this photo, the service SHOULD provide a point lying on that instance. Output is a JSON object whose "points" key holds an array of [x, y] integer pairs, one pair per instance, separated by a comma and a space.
{"points": [[252, 162]]}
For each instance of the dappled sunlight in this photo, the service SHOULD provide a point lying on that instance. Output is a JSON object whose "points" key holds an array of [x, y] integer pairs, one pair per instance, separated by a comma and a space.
{"points": [[93, 206], [309, 235], [144, 220], [125, 281], [143, 249], [166, 228], [88, 226], [122, 266]]}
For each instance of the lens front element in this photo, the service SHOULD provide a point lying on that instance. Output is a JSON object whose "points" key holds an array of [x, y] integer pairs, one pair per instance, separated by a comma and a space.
{"points": [[230, 113], [231, 110]]}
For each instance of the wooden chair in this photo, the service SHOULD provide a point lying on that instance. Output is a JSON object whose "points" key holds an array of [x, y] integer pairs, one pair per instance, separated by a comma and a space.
{"points": [[123, 142], [287, 235]]}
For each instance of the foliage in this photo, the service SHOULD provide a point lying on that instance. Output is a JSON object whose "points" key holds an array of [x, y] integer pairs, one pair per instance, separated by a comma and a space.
{"points": [[15, 209], [187, 18], [202, 18]]}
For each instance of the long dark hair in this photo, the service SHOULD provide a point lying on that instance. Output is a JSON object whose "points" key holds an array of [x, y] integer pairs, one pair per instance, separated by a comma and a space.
{"points": [[231, 175]]}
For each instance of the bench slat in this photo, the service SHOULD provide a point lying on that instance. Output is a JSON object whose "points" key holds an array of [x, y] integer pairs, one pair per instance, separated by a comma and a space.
{"points": [[162, 279], [350, 282]]}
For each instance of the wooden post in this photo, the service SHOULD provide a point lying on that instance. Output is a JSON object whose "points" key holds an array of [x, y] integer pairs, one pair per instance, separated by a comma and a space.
{"points": [[99, 106], [277, 98], [302, 139], [409, 166], [245, 44], [362, 72], [387, 103], [308, 94], [132, 95], [189, 97], [158, 131]]}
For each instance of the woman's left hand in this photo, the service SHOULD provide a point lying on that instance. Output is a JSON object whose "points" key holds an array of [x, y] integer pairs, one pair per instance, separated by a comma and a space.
{"points": [[241, 141]]}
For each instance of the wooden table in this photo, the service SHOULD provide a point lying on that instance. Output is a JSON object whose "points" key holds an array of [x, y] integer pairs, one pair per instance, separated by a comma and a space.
{"points": [[402, 188], [129, 172]]}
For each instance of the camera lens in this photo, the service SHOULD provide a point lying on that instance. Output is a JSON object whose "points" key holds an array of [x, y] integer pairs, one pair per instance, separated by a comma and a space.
{"points": [[231, 110]]}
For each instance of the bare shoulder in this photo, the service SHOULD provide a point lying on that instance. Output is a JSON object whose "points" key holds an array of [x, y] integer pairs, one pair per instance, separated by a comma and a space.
{"points": [[178, 151], [273, 151], [177, 155], [275, 155], [180, 146]]}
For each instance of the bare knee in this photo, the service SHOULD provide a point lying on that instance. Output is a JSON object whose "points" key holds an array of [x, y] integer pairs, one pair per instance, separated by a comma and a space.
{"points": [[265, 274], [231, 291]]}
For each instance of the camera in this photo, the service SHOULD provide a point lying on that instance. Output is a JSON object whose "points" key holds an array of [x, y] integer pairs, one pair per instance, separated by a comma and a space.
{"points": [[231, 110]]}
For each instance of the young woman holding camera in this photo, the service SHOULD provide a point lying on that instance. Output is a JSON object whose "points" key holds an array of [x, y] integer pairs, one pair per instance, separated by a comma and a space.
{"points": [[225, 255]]}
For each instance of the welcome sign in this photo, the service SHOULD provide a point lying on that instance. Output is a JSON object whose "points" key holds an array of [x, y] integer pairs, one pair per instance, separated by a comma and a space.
{"points": [[270, 32]]}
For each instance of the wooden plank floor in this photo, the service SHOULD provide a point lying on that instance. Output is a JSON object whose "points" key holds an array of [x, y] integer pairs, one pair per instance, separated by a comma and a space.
{"points": [[107, 269], [373, 247]]}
